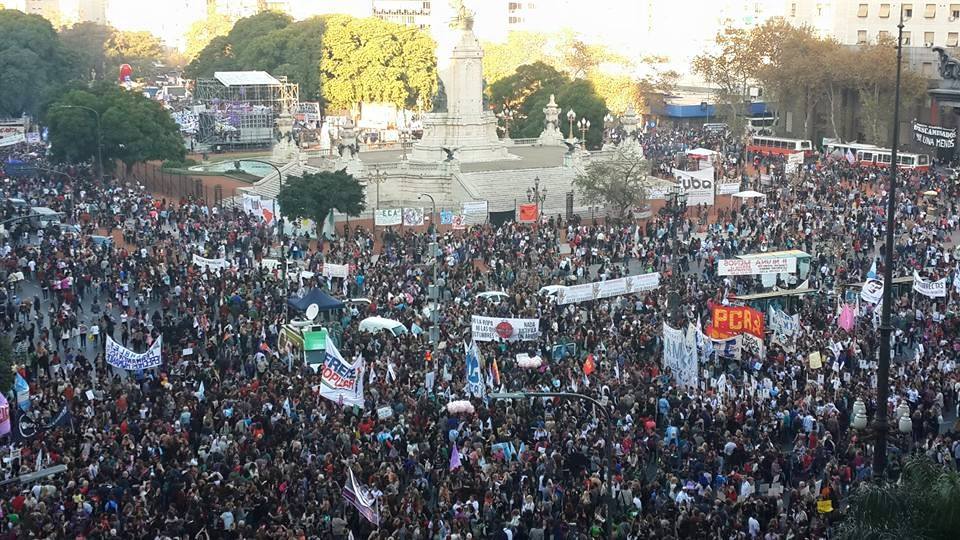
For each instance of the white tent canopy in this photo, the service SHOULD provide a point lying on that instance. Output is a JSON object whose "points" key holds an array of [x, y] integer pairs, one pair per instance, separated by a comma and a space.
{"points": [[702, 153], [749, 195]]}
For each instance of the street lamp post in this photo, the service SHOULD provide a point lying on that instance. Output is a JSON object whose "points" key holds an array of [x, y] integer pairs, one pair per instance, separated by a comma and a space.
{"points": [[378, 177], [571, 116], [584, 126], [507, 115], [283, 251], [883, 370], [608, 436], [434, 292], [537, 195], [96, 113], [677, 206]]}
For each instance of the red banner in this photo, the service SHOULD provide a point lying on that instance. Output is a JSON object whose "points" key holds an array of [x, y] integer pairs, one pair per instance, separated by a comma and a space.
{"points": [[528, 213], [728, 320]]}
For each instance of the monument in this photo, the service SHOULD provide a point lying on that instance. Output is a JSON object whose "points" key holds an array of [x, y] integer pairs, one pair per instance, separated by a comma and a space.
{"points": [[285, 149], [458, 124], [551, 135]]}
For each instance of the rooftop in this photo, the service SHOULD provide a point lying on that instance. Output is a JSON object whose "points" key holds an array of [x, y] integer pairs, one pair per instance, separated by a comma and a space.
{"points": [[245, 78]]}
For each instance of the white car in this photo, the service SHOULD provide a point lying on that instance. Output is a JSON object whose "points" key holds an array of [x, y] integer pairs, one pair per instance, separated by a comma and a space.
{"points": [[379, 324], [494, 297]]}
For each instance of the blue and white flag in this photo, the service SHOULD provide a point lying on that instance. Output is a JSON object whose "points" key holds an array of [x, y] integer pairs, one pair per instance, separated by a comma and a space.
{"points": [[23, 392], [341, 382], [119, 356], [475, 384], [201, 392], [872, 274]]}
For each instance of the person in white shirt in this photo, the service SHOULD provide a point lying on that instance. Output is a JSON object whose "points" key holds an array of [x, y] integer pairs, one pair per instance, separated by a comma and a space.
{"points": [[753, 527]]}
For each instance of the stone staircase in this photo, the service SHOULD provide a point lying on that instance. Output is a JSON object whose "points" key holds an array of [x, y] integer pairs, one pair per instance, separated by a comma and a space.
{"points": [[504, 189], [269, 186]]}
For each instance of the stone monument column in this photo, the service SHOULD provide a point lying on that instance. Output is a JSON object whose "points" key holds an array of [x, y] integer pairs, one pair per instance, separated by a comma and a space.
{"points": [[285, 149], [551, 135]]}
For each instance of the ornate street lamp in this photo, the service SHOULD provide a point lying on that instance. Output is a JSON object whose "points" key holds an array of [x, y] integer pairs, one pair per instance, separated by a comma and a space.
{"points": [[571, 116]]}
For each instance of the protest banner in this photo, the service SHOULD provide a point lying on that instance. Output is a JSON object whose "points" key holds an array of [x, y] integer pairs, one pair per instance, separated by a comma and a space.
{"points": [[341, 382], [474, 209], [335, 270], [121, 357], [385, 217], [750, 267], [413, 217], [872, 291], [698, 185], [492, 328], [680, 355], [732, 320], [934, 136], [608, 288], [527, 213], [213, 265], [474, 370], [781, 323], [446, 217], [930, 289], [728, 187], [360, 497], [4, 415]]}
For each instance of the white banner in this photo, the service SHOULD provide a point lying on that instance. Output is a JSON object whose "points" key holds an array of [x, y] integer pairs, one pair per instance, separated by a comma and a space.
{"points": [[872, 291], [930, 289], [698, 185], [472, 208], [784, 327], [680, 355], [749, 267], [413, 216], [728, 187], [119, 356], [10, 140], [251, 204], [335, 270], [492, 328], [214, 265], [385, 217], [341, 382], [609, 288]]}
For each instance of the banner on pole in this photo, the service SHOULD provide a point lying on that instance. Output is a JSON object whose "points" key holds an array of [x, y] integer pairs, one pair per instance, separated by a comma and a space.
{"points": [[934, 136], [492, 328], [608, 288], [872, 291], [335, 270], [698, 185], [360, 497], [528, 213], [413, 217], [385, 217], [341, 382], [121, 357], [680, 355], [750, 267], [732, 320], [213, 265], [930, 289]]}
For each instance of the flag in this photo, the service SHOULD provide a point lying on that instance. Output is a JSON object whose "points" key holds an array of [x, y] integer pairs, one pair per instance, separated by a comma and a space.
{"points": [[589, 366], [201, 392], [23, 428], [360, 497], [23, 392], [4, 415], [851, 159], [872, 274], [846, 318], [528, 213], [474, 377], [454, 458], [495, 372], [62, 419], [286, 407]]}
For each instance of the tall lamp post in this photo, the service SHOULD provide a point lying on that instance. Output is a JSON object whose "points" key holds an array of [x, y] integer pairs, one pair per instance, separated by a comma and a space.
{"points": [[608, 436], [96, 114], [883, 370], [677, 206], [537, 195], [584, 126], [507, 115], [378, 177], [571, 116], [433, 292], [283, 251]]}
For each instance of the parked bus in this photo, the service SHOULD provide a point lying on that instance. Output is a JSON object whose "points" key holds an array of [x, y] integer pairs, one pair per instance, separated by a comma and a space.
{"points": [[779, 145], [869, 155]]}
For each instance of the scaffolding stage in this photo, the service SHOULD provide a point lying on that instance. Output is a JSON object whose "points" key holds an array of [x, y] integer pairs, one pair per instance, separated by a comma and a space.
{"points": [[238, 109]]}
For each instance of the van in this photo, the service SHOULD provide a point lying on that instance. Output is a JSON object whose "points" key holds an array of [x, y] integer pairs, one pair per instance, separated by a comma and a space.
{"points": [[43, 217], [380, 324]]}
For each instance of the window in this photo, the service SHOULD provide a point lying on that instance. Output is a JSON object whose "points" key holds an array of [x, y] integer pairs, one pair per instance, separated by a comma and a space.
{"points": [[927, 69], [907, 11], [866, 156], [906, 39], [930, 11], [793, 9], [955, 11], [928, 39], [861, 37], [426, 6], [884, 11], [862, 10], [952, 39], [883, 35]]}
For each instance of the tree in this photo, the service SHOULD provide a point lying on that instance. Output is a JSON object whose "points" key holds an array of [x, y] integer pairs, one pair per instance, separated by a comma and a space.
{"points": [[370, 60], [222, 53], [923, 504], [875, 80], [653, 90], [501, 60], [202, 32], [619, 182], [730, 66], [88, 40], [33, 62], [134, 128], [139, 49], [314, 196]]}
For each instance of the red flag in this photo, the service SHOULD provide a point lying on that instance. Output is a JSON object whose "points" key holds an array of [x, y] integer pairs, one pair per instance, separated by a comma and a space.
{"points": [[589, 366], [528, 213]]}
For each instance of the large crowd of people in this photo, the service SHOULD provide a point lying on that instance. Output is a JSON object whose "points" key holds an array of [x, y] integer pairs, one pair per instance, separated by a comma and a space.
{"points": [[230, 438]]}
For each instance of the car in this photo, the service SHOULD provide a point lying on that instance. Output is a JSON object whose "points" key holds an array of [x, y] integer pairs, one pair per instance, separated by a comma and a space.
{"points": [[69, 228], [494, 297], [381, 324]]}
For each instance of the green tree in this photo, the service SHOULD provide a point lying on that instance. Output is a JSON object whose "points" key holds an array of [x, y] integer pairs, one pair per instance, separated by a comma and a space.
{"points": [[88, 40], [222, 53], [314, 196], [134, 128], [139, 49], [875, 79], [501, 60], [619, 183], [923, 505], [527, 80], [730, 66], [202, 32], [33, 62], [370, 60]]}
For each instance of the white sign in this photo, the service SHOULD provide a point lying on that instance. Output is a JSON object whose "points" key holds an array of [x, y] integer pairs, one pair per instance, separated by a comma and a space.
{"points": [[385, 217], [335, 270], [930, 289], [609, 288], [119, 356], [698, 185], [412, 216], [872, 291], [214, 265], [340, 382], [728, 187], [472, 208], [10, 140], [680, 355], [384, 412], [794, 162], [492, 328], [749, 267]]}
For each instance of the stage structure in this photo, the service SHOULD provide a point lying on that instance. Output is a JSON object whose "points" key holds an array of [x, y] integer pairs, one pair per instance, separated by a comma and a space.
{"points": [[239, 109]]}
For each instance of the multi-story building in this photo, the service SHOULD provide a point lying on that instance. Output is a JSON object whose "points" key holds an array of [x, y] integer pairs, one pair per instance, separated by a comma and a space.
{"points": [[415, 13], [856, 22]]}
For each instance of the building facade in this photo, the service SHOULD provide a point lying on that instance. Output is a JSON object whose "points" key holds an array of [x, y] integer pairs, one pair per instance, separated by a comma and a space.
{"points": [[857, 22]]}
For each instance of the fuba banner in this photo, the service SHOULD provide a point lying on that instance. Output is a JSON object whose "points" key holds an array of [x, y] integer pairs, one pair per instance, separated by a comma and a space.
{"points": [[123, 358]]}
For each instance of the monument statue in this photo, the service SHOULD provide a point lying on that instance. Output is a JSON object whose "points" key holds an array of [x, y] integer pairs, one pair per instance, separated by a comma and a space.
{"points": [[439, 99], [551, 135], [464, 18], [949, 66]]}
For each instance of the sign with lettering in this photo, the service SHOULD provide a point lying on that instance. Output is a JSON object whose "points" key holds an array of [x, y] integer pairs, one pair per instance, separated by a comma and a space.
{"points": [[119, 356], [493, 328], [608, 288], [385, 217], [341, 382], [732, 320], [750, 267], [934, 136]]}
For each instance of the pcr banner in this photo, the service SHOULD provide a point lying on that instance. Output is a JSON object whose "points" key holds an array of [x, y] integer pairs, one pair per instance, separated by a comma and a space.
{"points": [[749, 267], [732, 320], [492, 328], [608, 288]]}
